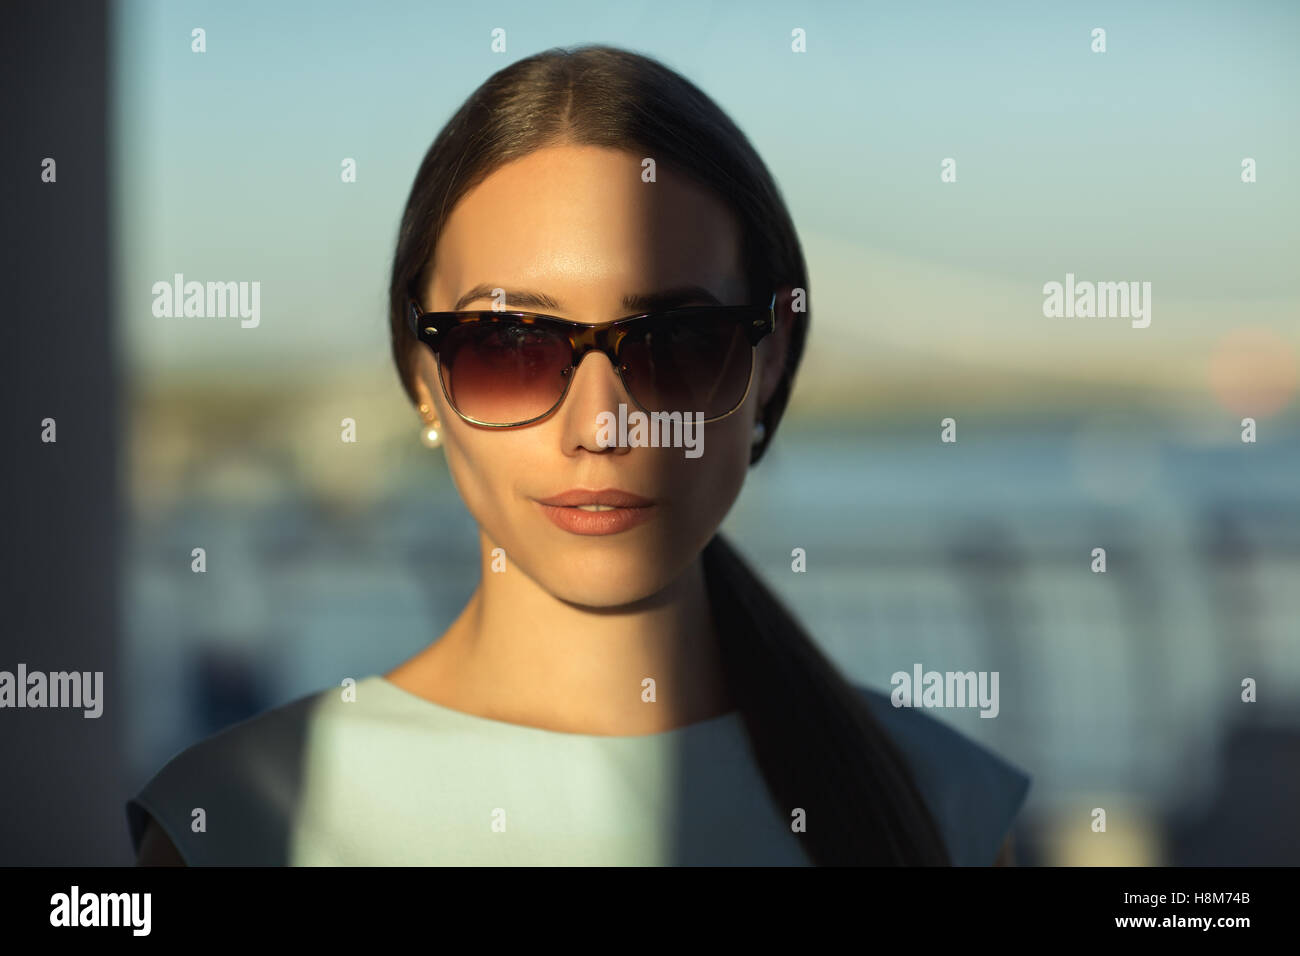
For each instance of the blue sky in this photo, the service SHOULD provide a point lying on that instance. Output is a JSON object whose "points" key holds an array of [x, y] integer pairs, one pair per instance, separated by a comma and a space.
{"points": [[1122, 165]]}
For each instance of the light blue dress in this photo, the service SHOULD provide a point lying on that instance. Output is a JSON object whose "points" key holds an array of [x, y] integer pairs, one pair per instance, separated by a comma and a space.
{"points": [[393, 779]]}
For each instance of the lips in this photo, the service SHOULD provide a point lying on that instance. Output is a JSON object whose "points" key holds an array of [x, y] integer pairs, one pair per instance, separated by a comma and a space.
{"points": [[606, 511], [613, 497]]}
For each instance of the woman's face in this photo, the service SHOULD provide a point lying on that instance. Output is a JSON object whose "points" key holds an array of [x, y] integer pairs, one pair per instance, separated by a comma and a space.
{"points": [[578, 224]]}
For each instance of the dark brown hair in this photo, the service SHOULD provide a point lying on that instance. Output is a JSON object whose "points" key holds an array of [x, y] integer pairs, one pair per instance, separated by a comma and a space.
{"points": [[816, 743]]}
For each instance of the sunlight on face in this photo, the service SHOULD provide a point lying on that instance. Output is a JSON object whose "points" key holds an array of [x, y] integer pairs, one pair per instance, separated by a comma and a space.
{"points": [[577, 223]]}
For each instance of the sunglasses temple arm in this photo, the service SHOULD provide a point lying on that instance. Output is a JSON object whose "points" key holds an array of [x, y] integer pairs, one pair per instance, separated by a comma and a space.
{"points": [[759, 329]]}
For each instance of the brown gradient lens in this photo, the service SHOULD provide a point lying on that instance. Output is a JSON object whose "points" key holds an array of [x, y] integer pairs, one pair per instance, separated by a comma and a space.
{"points": [[504, 372], [694, 362]]}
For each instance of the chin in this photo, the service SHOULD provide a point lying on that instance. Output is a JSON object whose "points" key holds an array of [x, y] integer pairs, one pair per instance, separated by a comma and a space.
{"points": [[603, 573]]}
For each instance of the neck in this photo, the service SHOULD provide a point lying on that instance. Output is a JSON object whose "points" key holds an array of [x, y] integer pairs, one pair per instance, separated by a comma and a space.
{"points": [[518, 653]]}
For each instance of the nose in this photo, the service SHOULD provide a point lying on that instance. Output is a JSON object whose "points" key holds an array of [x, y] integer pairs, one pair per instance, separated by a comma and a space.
{"points": [[595, 388]]}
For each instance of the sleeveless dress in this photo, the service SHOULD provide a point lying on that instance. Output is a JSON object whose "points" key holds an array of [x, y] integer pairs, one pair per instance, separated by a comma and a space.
{"points": [[393, 779]]}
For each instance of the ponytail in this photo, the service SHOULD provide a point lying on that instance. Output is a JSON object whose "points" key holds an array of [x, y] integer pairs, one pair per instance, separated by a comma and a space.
{"points": [[814, 740]]}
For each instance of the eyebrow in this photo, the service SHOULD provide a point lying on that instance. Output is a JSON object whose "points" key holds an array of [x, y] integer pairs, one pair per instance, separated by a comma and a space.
{"points": [[641, 302]]}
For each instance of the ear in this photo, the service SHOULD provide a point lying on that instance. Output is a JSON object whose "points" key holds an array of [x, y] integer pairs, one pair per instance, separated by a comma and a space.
{"points": [[773, 349], [426, 372]]}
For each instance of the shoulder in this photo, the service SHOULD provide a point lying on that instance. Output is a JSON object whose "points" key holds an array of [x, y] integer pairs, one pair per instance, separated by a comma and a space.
{"points": [[973, 793], [242, 783]]}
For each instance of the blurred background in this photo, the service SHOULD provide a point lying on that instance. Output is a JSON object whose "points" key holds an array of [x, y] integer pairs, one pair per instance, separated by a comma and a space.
{"points": [[1119, 690]]}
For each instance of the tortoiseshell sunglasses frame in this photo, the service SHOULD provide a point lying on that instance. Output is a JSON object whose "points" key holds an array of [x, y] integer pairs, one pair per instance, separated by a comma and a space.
{"points": [[429, 327]]}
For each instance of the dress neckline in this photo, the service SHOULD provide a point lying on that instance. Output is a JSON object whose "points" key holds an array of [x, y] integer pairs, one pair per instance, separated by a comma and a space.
{"points": [[401, 694]]}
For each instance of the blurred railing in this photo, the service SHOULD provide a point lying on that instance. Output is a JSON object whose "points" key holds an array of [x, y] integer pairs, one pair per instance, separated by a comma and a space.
{"points": [[1119, 690]]}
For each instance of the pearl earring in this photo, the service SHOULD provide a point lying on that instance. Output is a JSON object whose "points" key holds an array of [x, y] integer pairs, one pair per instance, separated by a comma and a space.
{"points": [[430, 432], [760, 432]]}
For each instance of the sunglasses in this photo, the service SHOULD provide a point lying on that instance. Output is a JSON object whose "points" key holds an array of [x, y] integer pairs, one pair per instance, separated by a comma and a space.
{"points": [[502, 369]]}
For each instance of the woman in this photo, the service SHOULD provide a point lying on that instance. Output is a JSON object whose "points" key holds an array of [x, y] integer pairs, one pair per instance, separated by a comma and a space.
{"points": [[620, 688]]}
